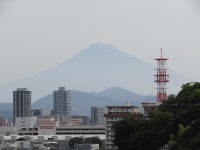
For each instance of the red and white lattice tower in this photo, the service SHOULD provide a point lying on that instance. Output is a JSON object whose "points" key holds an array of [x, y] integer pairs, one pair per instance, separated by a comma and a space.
{"points": [[161, 78]]}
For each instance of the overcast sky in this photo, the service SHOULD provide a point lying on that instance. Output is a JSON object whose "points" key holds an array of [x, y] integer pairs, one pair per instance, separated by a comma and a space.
{"points": [[39, 34]]}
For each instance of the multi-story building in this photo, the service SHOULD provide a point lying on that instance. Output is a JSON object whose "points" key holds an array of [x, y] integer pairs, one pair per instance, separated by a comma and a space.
{"points": [[97, 116], [26, 123], [62, 103], [149, 107], [79, 120], [21, 103], [47, 124], [116, 113]]}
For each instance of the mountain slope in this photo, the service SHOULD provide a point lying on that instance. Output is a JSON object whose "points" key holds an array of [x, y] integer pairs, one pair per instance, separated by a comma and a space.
{"points": [[119, 94], [97, 67]]}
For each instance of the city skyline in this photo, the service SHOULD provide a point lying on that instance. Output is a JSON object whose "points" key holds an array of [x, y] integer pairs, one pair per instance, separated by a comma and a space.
{"points": [[58, 31]]}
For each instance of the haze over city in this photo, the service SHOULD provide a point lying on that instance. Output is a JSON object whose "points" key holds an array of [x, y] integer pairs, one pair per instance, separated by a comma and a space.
{"points": [[99, 74], [37, 35]]}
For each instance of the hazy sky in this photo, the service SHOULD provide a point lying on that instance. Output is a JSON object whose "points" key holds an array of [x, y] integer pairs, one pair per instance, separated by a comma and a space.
{"points": [[38, 34]]}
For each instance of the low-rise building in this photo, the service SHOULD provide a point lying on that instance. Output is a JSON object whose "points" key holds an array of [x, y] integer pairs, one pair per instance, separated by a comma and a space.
{"points": [[149, 107], [48, 122], [84, 120], [98, 131], [26, 123]]}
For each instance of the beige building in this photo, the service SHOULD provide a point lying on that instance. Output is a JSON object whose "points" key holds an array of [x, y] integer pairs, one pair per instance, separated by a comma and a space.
{"points": [[47, 124]]}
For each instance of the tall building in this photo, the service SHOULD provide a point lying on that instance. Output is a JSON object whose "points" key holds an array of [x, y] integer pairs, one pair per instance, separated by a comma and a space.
{"points": [[62, 103], [116, 113], [21, 103], [97, 116]]}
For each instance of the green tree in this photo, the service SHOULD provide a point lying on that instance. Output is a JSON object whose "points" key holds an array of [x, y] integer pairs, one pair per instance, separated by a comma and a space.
{"points": [[176, 122], [76, 140], [141, 134], [93, 140]]}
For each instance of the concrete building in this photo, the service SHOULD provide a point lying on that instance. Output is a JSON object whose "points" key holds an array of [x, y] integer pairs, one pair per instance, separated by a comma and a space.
{"points": [[47, 124], [79, 120], [62, 103], [116, 113], [21, 103], [97, 116], [149, 107], [25, 123]]}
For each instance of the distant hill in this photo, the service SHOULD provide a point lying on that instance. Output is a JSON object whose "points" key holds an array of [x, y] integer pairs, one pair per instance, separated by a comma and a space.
{"points": [[95, 68], [82, 101], [119, 94], [6, 110]]}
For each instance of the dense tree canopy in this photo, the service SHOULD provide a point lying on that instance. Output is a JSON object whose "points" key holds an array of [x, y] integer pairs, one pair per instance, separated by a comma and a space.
{"points": [[176, 123]]}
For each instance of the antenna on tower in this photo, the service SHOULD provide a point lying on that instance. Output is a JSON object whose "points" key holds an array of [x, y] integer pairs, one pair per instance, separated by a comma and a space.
{"points": [[161, 78]]}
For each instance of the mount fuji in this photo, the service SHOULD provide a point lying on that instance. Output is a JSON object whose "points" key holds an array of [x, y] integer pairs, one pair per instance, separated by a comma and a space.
{"points": [[95, 68]]}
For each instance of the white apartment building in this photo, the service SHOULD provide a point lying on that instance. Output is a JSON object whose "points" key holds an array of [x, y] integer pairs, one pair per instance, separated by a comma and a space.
{"points": [[25, 123]]}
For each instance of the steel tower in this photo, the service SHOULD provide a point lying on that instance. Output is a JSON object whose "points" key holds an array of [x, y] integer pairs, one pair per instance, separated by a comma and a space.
{"points": [[161, 78]]}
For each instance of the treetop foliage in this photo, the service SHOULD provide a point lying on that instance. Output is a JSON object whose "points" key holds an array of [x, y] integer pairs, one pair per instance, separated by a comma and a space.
{"points": [[176, 123]]}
